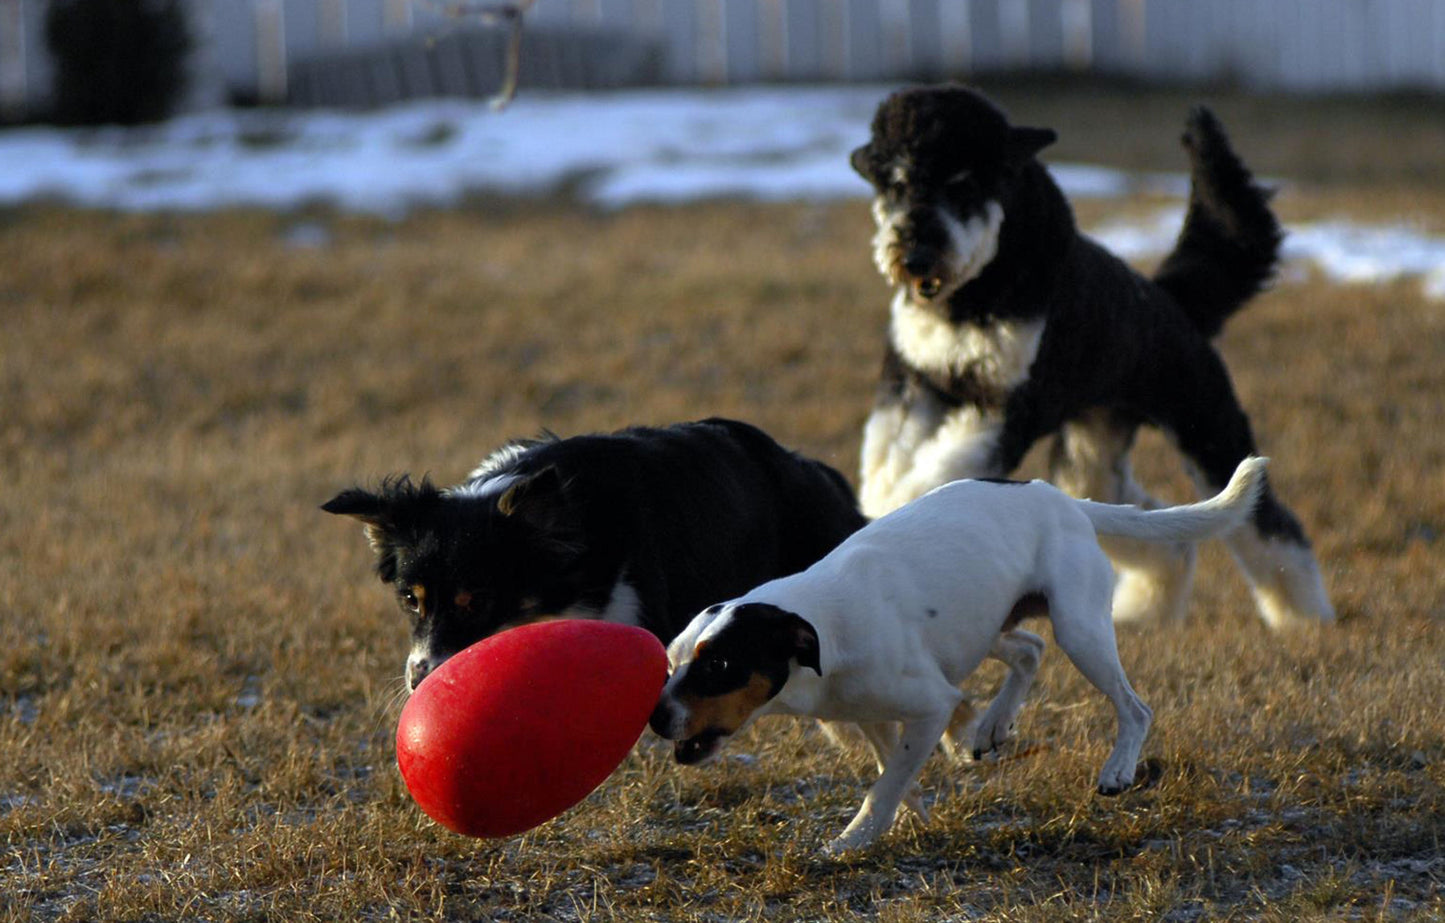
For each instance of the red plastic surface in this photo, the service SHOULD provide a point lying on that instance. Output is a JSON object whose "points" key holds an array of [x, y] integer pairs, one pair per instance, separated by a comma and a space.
{"points": [[521, 726]]}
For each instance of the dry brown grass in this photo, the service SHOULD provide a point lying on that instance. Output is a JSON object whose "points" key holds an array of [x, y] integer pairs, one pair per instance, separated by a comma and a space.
{"points": [[198, 675]]}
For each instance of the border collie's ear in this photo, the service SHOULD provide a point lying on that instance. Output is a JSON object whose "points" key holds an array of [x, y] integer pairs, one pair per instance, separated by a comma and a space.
{"points": [[376, 514], [526, 494], [858, 160], [540, 500], [359, 504], [1024, 143]]}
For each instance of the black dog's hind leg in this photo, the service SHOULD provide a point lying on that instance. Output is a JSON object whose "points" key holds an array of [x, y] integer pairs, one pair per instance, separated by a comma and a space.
{"points": [[1090, 458], [1212, 430]]}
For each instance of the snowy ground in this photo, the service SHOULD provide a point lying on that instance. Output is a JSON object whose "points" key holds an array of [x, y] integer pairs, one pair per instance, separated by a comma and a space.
{"points": [[612, 150]]}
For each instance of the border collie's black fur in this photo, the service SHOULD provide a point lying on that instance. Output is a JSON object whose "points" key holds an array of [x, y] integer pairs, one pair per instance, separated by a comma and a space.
{"points": [[645, 526], [1009, 325]]}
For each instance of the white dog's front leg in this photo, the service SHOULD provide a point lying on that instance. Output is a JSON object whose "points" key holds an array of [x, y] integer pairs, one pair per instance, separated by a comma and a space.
{"points": [[881, 806], [882, 739]]}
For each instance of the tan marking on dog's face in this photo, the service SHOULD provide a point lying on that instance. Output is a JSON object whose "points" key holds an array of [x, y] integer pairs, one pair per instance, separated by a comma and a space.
{"points": [[414, 598], [728, 712], [462, 600]]}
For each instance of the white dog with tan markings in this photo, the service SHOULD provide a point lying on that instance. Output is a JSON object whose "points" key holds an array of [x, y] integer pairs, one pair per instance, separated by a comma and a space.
{"points": [[883, 630]]}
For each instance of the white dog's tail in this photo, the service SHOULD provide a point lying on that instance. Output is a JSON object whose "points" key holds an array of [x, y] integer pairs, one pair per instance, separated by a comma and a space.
{"points": [[1221, 513]]}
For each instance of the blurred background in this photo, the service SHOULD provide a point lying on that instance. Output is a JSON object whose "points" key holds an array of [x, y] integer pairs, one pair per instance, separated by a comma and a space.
{"points": [[369, 52]]}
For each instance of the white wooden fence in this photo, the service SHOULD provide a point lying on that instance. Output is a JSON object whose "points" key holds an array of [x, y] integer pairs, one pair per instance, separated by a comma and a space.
{"points": [[1306, 45]]}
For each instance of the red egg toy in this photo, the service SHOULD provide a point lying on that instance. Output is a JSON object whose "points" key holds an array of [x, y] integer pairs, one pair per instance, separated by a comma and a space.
{"points": [[520, 726]]}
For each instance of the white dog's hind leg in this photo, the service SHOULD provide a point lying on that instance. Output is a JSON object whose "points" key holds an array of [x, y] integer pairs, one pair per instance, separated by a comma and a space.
{"points": [[957, 743], [881, 805], [1084, 631], [1021, 650]]}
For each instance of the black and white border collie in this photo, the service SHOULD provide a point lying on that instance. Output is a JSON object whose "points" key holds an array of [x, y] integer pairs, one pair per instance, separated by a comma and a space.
{"points": [[1008, 325], [645, 526]]}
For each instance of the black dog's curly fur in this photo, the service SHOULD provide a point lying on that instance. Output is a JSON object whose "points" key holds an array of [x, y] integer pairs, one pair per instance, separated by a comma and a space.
{"points": [[1114, 346]]}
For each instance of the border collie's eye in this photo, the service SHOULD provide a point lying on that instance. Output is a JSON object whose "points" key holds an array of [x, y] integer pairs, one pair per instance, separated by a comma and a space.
{"points": [[410, 600], [713, 667]]}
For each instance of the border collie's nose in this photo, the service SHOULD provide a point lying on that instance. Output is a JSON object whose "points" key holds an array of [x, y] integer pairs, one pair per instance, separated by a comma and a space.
{"points": [[417, 669]]}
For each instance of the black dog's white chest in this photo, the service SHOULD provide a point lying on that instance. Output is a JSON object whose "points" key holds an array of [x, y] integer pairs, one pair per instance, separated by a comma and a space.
{"points": [[992, 357]]}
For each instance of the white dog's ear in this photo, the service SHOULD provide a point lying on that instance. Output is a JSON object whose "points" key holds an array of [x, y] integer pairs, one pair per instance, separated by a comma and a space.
{"points": [[805, 643], [1024, 143]]}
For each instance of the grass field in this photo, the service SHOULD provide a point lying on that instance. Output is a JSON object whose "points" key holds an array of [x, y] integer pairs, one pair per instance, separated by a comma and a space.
{"points": [[199, 677]]}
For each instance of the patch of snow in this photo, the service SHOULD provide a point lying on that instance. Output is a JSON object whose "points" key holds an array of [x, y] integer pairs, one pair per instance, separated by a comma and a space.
{"points": [[1342, 251], [611, 149]]}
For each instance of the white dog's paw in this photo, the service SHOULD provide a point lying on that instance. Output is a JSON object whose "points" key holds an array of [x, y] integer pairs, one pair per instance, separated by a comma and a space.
{"points": [[1115, 779], [848, 842], [993, 732]]}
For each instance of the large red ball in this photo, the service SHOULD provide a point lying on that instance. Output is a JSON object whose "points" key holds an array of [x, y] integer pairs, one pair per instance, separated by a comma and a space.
{"points": [[519, 727]]}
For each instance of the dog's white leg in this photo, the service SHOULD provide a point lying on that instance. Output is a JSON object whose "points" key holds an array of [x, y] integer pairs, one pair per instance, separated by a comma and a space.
{"points": [[1090, 459], [1285, 577], [957, 743], [1079, 609], [907, 453], [881, 805], [1021, 650], [882, 739], [1281, 568]]}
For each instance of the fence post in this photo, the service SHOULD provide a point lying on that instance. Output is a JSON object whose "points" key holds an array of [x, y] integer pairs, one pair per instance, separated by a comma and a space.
{"points": [[1013, 16], [955, 25], [1133, 18], [396, 15], [1077, 22], [14, 87], [332, 23], [712, 41], [773, 36], [270, 50]]}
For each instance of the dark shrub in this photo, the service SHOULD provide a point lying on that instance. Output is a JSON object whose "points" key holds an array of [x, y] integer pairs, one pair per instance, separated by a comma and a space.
{"points": [[117, 61]]}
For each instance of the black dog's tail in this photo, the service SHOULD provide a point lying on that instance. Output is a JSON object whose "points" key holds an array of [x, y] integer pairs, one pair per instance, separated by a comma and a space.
{"points": [[1229, 246]]}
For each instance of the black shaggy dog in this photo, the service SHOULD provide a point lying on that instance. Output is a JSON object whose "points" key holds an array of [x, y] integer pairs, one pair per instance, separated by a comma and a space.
{"points": [[1008, 325], [643, 526]]}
